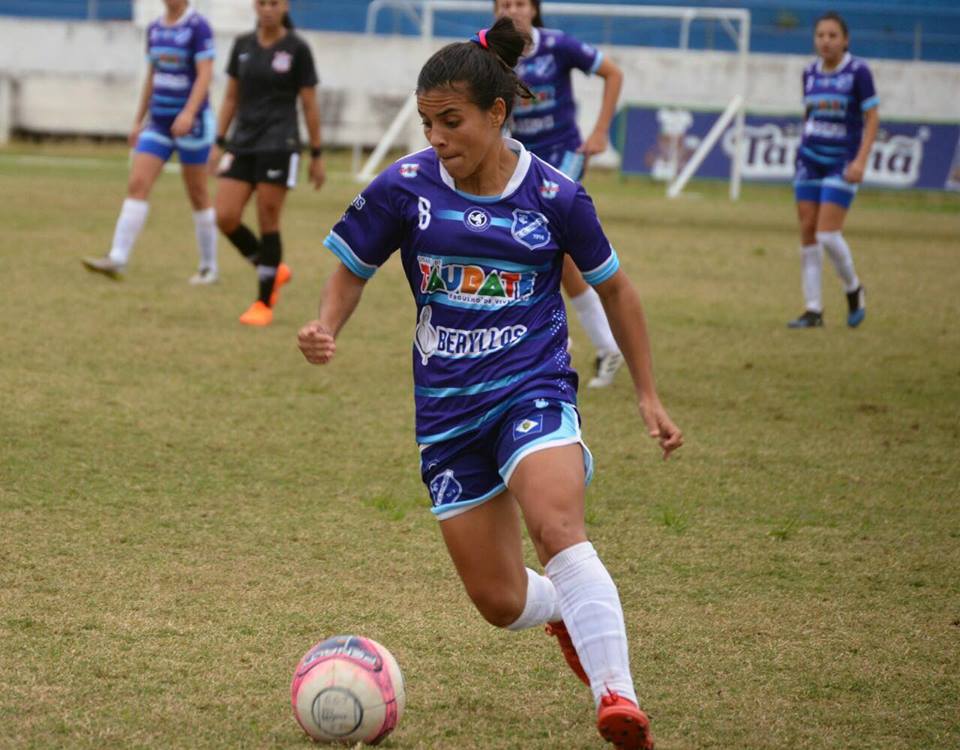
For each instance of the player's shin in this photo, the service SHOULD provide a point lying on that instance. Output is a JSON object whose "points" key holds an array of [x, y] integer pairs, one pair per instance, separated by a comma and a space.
{"points": [[133, 215], [542, 605]]}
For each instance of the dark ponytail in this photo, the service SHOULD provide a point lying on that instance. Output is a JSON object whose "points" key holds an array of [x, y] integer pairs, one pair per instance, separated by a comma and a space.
{"points": [[485, 64], [287, 22], [832, 15]]}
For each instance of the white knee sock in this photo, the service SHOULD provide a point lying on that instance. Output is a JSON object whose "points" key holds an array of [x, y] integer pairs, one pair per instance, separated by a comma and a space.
{"points": [[839, 252], [543, 604], [594, 320], [133, 215], [592, 613], [205, 224], [811, 266]]}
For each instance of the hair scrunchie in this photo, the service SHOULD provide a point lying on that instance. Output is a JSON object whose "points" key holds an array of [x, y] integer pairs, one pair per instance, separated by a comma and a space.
{"points": [[480, 38]]}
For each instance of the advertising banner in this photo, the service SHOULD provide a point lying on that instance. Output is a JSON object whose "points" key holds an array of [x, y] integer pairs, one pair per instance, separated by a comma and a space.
{"points": [[659, 140]]}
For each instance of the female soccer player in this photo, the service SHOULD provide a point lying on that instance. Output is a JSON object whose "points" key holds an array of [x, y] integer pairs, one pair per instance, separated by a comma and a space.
{"points": [[839, 129], [482, 228], [269, 69], [180, 54], [546, 125]]}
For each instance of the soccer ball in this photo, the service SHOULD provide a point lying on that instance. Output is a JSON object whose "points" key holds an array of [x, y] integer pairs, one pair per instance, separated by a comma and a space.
{"points": [[348, 689]]}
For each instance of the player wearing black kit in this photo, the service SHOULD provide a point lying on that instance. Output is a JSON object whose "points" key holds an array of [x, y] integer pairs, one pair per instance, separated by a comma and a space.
{"points": [[269, 69]]}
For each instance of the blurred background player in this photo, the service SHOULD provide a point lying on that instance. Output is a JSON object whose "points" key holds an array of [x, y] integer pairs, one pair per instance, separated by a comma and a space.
{"points": [[497, 422], [839, 129], [269, 69], [547, 126], [180, 66]]}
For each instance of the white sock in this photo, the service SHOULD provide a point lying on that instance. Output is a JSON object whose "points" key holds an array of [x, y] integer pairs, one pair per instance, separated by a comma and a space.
{"points": [[543, 604], [205, 224], [592, 613], [811, 267], [133, 215], [594, 320], [839, 252]]}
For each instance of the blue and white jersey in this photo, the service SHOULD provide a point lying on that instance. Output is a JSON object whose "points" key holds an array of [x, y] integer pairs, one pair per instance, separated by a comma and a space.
{"points": [[173, 51], [551, 117], [485, 273], [834, 104]]}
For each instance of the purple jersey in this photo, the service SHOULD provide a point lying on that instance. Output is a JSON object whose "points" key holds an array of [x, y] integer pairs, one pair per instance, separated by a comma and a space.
{"points": [[551, 117], [485, 272], [173, 51], [834, 103]]}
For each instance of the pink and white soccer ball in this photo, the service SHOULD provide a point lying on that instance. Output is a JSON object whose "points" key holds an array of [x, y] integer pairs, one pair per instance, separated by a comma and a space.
{"points": [[348, 689]]}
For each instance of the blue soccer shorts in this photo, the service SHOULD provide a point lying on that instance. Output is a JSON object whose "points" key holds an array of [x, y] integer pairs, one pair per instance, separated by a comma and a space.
{"points": [[463, 472], [822, 182], [193, 148]]}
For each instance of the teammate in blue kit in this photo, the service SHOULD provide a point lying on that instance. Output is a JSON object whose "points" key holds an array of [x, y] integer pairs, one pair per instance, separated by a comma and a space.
{"points": [[839, 129], [180, 56], [547, 126], [483, 226]]}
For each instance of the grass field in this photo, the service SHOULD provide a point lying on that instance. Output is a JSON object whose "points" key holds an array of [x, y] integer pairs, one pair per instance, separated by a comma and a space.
{"points": [[186, 506]]}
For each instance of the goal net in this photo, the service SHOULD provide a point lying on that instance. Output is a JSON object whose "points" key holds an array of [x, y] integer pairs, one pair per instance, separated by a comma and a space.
{"points": [[678, 160]]}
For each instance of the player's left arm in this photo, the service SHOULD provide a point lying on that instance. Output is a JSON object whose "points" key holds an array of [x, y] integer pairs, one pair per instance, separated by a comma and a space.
{"points": [[598, 140], [855, 169], [624, 311], [183, 124], [311, 115]]}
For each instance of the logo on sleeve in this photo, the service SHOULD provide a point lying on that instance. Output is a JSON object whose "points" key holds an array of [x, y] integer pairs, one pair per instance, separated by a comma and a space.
{"points": [[530, 228], [527, 426], [549, 189], [445, 489], [476, 219], [409, 170], [282, 61]]}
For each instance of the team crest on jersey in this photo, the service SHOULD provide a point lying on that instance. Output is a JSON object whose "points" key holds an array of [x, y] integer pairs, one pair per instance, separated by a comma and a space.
{"points": [[409, 170], [182, 37], [541, 67], [530, 228], [473, 285], [549, 189], [282, 61], [444, 488], [527, 426], [476, 219]]}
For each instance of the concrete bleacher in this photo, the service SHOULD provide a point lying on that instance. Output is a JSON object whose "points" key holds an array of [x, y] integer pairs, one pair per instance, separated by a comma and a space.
{"points": [[893, 29]]}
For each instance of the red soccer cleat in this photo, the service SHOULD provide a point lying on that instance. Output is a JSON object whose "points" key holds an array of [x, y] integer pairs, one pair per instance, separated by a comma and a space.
{"points": [[622, 723], [284, 274], [559, 631]]}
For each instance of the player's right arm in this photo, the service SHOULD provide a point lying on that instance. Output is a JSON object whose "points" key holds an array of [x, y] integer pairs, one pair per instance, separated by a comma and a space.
{"points": [[341, 294], [142, 107], [227, 110]]}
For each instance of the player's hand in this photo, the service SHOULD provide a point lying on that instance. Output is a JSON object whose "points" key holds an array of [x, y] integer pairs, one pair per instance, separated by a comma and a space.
{"points": [[213, 161], [182, 125], [135, 135], [854, 172], [595, 144], [316, 343], [660, 427], [318, 172]]}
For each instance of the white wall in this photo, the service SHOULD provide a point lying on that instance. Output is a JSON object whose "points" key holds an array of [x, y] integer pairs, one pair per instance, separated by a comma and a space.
{"points": [[85, 77]]}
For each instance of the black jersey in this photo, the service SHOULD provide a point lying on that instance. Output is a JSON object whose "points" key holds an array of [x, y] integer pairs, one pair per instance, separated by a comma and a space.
{"points": [[269, 80]]}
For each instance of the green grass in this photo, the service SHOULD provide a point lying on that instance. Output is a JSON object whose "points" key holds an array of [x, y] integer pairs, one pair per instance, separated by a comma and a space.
{"points": [[186, 506]]}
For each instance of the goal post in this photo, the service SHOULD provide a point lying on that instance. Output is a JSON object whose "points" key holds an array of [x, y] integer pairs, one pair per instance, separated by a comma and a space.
{"points": [[734, 21]]}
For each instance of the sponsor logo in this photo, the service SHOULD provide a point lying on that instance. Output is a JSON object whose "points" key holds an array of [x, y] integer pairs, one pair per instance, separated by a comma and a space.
{"points": [[243, 56], [460, 343], [549, 189], [409, 170], [529, 228], [444, 488], [533, 125], [527, 426], [281, 62], [473, 284], [172, 81], [476, 219], [359, 202], [347, 646], [273, 174], [544, 97]]}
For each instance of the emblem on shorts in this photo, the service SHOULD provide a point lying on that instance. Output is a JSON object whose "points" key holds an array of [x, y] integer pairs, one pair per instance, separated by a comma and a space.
{"points": [[444, 488], [476, 219], [527, 426], [530, 228], [282, 62], [409, 170]]}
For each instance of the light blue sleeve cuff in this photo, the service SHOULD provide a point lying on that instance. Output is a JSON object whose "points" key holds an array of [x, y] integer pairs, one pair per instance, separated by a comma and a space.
{"points": [[350, 259], [207, 54], [873, 101], [604, 271], [596, 63]]}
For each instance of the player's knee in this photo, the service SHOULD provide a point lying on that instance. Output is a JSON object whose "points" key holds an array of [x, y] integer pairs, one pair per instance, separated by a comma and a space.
{"points": [[554, 535], [227, 221], [499, 605]]}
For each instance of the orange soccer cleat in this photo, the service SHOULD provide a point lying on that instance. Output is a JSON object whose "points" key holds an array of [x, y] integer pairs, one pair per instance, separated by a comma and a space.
{"points": [[258, 314], [284, 275], [622, 723], [559, 631]]}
